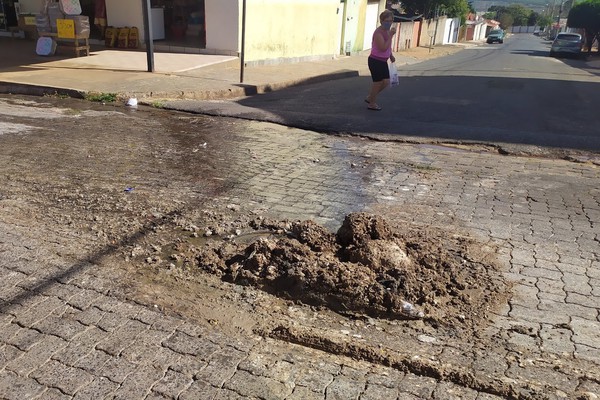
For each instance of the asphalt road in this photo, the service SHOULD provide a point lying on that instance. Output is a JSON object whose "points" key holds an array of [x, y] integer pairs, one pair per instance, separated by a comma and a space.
{"points": [[511, 93]]}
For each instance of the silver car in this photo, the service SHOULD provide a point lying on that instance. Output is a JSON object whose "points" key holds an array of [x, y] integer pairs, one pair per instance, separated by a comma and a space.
{"points": [[567, 44]]}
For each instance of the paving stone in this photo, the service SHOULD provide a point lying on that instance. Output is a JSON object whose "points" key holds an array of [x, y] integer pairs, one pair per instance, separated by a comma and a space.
{"points": [[8, 353], [304, 393], [343, 388], [586, 332], [53, 394], [450, 391], [111, 321], [89, 316], [388, 377], [64, 328], [36, 355], [85, 344], [167, 324], [165, 358], [222, 365], [40, 310], [185, 344], [8, 331], [248, 385], [317, 380], [14, 387], [83, 298], [409, 396], [199, 390], [113, 305], [121, 338], [93, 362], [24, 338], [60, 291], [418, 386], [117, 369], [140, 352], [138, 383], [99, 388], [57, 375], [377, 392], [172, 384], [225, 394]]}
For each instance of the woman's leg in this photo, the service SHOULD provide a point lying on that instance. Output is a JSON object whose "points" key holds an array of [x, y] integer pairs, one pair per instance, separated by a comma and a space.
{"points": [[377, 88]]}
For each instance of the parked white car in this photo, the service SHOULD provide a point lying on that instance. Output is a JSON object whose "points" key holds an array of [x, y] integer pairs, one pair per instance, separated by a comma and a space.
{"points": [[567, 44]]}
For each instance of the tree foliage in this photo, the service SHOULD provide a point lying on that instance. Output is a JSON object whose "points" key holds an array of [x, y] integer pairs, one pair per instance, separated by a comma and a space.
{"points": [[517, 15], [586, 15], [434, 8]]}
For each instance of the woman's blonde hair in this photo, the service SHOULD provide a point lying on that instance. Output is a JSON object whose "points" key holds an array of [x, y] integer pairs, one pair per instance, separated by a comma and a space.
{"points": [[385, 15]]}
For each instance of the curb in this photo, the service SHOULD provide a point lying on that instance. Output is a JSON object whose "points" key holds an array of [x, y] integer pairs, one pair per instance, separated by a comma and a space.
{"points": [[233, 91], [37, 90]]}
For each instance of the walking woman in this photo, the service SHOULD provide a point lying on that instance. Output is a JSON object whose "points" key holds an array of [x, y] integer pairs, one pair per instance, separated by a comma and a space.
{"points": [[381, 51]]}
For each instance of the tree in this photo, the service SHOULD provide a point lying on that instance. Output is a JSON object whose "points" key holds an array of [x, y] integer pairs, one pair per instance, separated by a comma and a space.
{"points": [[543, 21], [433, 8], [586, 15], [519, 13]]}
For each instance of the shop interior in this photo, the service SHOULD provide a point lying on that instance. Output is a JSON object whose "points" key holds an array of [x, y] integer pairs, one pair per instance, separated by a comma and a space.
{"points": [[183, 21], [175, 22], [8, 15]]}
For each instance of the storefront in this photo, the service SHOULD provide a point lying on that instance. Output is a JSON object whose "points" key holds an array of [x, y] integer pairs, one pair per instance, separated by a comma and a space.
{"points": [[175, 22]]}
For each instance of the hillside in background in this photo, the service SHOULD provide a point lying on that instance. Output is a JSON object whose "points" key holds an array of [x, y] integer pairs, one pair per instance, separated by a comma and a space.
{"points": [[535, 5]]}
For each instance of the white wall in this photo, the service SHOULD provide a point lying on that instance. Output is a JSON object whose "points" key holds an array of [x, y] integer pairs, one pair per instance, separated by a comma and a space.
{"points": [[129, 13], [223, 25], [371, 23]]}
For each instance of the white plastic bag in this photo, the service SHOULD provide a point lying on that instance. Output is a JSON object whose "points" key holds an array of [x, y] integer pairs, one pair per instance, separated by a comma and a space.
{"points": [[394, 81]]}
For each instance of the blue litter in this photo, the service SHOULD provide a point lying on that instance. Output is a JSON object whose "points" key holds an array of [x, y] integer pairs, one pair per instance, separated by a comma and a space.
{"points": [[129, 189]]}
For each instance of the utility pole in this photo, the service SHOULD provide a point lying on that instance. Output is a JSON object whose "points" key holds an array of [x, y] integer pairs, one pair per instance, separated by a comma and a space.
{"points": [[243, 47], [437, 21], [148, 34]]}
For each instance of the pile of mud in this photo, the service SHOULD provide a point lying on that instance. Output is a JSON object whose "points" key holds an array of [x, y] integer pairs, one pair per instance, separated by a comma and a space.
{"points": [[366, 268]]}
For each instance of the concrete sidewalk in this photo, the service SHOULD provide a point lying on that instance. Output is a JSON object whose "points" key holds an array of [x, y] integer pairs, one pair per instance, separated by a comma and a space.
{"points": [[176, 76]]}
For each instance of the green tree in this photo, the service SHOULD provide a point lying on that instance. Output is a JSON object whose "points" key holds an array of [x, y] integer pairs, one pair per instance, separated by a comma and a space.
{"points": [[506, 20], [433, 8], [586, 15], [543, 21], [519, 13]]}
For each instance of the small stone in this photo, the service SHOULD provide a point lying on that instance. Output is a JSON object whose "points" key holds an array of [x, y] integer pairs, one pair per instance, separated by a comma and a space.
{"points": [[426, 339]]}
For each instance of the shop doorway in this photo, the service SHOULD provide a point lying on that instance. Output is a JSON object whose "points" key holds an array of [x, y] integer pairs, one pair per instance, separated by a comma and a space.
{"points": [[8, 15], [184, 22]]}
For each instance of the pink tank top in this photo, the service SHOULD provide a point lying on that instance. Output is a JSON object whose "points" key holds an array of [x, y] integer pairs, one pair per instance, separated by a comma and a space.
{"points": [[375, 52]]}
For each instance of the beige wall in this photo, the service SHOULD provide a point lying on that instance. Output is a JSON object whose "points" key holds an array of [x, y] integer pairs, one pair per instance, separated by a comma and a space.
{"points": [[290, 29]]}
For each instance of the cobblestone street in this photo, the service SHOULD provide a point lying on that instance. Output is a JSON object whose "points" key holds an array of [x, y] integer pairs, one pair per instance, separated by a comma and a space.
{"points": [[69, 331]]}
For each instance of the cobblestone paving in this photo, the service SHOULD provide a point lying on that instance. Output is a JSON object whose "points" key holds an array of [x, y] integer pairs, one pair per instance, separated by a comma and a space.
{"points": [[65, 333], [62, 337]]}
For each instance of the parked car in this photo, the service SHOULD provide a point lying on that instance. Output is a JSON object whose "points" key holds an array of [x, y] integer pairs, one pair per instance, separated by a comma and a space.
{"points": [[567, 44], [496, 35]]}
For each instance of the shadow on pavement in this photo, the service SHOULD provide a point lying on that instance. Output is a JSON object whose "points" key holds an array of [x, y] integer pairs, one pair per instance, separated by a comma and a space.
{"points": [[545, 112]]}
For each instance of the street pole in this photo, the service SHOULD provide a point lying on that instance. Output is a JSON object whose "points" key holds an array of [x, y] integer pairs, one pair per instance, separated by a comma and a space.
{"points": [[148, 35], [437, 21], [243, 49]]}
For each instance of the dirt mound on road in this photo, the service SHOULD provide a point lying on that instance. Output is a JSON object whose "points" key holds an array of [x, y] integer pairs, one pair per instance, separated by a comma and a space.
{"points": [[367, 267]]}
